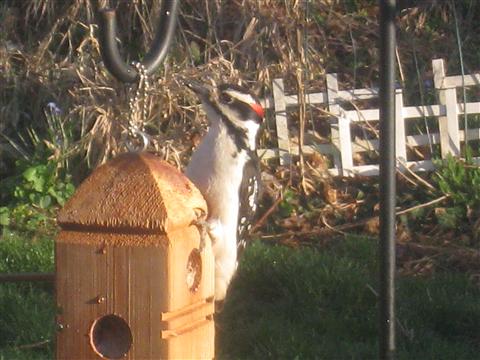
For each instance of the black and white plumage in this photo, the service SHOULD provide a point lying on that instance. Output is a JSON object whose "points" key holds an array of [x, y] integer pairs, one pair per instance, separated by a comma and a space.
{"points": [[248, 195], [225, 168]]}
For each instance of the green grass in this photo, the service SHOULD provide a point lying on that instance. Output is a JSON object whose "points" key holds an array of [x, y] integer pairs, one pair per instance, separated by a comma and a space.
{"points": [[284, 303], [26, 310], [310, 303]]}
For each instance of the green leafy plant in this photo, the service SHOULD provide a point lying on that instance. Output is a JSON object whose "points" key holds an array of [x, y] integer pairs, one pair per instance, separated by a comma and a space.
{"points": [[41, 186], [289, 204], [39, 192], [41, 182], [460, 181]]}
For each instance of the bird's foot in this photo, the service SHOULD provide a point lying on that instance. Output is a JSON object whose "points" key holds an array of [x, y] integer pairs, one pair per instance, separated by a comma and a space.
{"points": [[204, 229]]}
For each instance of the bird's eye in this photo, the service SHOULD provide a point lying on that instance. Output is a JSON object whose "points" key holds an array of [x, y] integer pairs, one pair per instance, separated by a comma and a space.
{"points": [[225, 98]]}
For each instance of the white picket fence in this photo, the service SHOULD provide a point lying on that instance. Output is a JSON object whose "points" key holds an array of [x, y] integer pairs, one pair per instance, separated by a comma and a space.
{"points": [[341, 147]]}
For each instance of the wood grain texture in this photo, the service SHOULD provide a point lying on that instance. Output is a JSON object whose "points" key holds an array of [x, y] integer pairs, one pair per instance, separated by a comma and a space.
{"points": [[133, 192], [123, 258]]}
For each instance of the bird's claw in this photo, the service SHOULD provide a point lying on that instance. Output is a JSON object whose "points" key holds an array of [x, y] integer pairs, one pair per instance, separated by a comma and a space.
{"points": [[203, 228]]}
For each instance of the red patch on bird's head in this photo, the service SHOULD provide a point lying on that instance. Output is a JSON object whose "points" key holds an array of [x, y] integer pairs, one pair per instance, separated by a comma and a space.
{"points": [[258, 109]]}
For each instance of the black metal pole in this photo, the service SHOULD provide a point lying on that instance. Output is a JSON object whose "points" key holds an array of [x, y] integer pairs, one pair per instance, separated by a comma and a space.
{"points": [[387, 180]]}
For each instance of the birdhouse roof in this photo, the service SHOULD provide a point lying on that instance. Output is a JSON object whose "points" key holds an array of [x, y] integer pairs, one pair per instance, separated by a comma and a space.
{"points": [[134, 193]]}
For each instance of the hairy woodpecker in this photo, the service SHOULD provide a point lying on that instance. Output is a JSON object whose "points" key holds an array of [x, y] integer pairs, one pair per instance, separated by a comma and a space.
{"points": [[225, 168]]}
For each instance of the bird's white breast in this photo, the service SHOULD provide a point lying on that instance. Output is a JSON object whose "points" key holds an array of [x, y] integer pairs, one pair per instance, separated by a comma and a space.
{"points": [[216, 168]]}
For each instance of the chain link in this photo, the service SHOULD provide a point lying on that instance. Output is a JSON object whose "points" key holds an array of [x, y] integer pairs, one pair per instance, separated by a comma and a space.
{"points": [[137, 139]]}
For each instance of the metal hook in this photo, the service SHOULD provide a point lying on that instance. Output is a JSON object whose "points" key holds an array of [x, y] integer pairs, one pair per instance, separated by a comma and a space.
{"points": [[163, 37], [144, 142]]}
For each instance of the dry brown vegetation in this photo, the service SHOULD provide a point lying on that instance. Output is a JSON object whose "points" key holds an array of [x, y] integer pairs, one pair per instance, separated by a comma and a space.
{"points": [[49, 52]]}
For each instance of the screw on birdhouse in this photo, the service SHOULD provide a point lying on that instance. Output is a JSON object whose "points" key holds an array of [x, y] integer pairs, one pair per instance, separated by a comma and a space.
{"points": [[100, 299]]}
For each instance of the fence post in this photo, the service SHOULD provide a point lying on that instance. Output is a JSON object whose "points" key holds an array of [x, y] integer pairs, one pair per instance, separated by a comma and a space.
{"points": [[340, 130], [448, 124], [281, 121], [400, 138]]}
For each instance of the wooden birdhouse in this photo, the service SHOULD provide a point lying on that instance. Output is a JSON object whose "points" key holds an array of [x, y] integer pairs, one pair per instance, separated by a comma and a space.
{"points": [[131, 280]]}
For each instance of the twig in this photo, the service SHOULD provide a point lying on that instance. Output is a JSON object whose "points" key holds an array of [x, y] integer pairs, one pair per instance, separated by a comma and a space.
{"points": [[301, 48], [372, 129], [324, 221], [374, 292], [34, 345], [406, 178], [340, 229], [265, 216], [323, 111], [327, 229], [301, 127], [462, 68], [423, 181], [422, 97], [416, 207], [400, 68]]}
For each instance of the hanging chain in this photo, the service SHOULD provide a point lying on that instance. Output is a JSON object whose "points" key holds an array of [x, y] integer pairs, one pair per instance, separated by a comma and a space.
{"points": [[137, 139]]}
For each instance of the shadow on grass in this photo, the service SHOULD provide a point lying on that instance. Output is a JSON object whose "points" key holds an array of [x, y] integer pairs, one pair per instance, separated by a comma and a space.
{"points": [[310, 303]]}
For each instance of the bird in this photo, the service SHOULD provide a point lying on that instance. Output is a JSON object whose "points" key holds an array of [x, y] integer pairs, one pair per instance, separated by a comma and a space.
{"points": [[225, 168]]}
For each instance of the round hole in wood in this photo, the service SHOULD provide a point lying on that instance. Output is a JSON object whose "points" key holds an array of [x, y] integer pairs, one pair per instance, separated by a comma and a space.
{"points": [[194, 270], [110, 337]]}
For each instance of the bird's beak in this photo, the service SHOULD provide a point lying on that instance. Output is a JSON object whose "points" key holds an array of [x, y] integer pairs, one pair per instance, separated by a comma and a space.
{"points": [[202, 91]]}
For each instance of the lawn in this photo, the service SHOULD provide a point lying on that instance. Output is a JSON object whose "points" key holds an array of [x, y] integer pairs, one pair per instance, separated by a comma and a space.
{"points": [[284, 303], [26, 310], [311, 303]]}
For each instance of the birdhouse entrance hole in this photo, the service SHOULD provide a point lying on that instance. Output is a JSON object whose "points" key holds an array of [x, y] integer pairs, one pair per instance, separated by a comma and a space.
{"points": [[110, 337]]}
